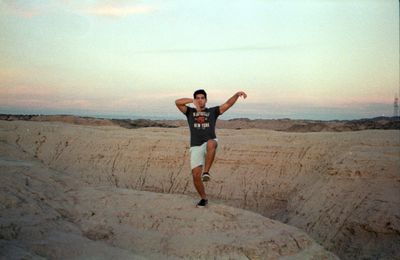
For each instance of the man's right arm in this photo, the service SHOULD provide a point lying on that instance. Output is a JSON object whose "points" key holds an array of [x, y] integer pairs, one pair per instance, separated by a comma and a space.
{"points": [[182, 102]]}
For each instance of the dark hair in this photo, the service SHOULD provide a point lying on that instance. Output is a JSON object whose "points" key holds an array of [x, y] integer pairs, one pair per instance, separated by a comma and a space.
{"points": [[200, 91]]}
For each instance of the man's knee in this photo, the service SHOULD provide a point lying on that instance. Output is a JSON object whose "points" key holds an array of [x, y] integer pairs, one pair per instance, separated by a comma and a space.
{"points": [[196, 172]]}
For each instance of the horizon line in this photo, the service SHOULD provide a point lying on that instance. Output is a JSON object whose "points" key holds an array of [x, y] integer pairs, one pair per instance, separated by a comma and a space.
{"points": [[168, 118]]}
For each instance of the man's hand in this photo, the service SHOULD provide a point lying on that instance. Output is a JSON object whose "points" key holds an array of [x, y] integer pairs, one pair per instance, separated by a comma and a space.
{"points": [[196, 104], [241, 94]]}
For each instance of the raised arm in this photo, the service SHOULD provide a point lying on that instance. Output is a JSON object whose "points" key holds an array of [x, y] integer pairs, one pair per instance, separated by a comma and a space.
{"points": [[182, 102], [231, 101]]}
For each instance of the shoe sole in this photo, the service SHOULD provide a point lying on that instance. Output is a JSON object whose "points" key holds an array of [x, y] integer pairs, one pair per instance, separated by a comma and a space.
{"points": [[201, 207], [206, 178]]}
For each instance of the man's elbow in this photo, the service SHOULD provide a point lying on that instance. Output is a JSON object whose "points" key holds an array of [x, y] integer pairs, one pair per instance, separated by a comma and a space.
{"points": [[179, 104]]}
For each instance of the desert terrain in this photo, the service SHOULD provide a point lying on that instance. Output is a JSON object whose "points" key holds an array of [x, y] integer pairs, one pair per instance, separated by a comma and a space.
{"points": [[102, 191], [285, 124]]}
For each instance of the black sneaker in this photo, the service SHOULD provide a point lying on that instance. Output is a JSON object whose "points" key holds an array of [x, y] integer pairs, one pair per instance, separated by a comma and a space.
{"points": [[205, 176], [202, 203]]}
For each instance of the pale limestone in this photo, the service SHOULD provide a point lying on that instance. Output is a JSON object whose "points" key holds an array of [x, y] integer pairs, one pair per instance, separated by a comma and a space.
{"points": [[341, 188]]}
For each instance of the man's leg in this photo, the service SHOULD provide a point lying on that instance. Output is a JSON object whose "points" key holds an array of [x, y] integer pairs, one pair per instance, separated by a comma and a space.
{"points": [[198, 183], [211, 149]]}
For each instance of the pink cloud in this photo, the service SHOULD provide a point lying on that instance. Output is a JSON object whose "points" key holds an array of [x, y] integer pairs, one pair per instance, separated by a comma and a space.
{"points": [[98, 8], [24, 91], [118, 10], [40, 97], [45, 97], [20, 10]]}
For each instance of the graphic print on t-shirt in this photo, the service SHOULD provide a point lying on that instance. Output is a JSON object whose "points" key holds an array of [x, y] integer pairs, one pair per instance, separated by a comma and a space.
{"points": [[202, 124], [201, 120]]}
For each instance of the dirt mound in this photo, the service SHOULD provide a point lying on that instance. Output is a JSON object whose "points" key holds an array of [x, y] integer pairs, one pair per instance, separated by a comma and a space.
{"points": [[48, 214], [343, 189]]}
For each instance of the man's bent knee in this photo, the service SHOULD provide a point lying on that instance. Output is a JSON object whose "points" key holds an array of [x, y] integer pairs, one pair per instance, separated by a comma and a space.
{"points": [[197, 171]]}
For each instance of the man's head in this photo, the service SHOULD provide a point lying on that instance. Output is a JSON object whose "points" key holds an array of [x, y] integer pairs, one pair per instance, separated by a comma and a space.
{"points": [[200, 96], [199, 92]]}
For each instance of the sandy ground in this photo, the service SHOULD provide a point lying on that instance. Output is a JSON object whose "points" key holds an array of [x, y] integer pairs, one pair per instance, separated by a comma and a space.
{"points": [[46, 214], [74, 191]]}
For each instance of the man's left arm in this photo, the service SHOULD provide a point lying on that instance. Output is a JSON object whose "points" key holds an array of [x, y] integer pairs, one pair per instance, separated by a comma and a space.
{"points": [[230, 102]]}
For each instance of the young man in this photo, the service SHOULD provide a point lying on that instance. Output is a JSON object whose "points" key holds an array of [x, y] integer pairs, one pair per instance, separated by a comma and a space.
{"points": [[203, 141]]}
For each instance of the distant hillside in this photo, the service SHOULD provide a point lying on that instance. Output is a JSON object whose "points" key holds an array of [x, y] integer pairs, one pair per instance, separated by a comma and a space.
{"points": [[287, 125]]}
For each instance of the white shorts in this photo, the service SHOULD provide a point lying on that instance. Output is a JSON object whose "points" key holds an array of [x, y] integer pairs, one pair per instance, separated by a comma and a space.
{"points": [[198, 154]]}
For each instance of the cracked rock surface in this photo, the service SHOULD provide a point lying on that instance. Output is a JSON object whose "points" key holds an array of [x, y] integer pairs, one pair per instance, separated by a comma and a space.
{"points": [[342, 189], [47, 214]]}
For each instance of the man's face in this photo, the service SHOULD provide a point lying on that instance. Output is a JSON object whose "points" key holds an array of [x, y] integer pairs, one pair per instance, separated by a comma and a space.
{"points": [[201, 100]]}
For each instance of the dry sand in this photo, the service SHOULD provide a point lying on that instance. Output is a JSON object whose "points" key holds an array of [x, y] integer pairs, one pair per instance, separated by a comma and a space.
{"points": [[71, 191]]}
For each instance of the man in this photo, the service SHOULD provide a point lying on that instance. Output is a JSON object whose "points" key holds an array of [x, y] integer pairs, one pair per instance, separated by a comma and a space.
{"points": [[203, 141]]}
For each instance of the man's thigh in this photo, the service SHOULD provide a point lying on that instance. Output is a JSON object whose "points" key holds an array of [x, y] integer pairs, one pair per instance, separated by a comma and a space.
{"points": [[197, 155]]}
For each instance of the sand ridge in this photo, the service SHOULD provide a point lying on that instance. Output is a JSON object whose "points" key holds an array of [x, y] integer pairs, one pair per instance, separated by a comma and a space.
{"points": [[48, 214], [341, 188]]}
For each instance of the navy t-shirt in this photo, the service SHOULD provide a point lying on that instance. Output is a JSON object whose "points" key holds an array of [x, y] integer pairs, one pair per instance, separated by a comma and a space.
{"points": [[202, 124]]}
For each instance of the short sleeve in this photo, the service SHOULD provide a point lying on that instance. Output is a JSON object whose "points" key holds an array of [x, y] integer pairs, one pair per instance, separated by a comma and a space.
{"points": [[188, 110], [216, 111]]}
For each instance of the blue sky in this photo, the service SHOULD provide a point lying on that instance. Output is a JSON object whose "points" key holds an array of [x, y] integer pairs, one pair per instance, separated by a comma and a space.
{"points": [[297, 59]]}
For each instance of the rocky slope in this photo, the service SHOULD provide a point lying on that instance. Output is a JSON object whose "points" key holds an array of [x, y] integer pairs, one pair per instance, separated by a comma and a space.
{"points": [[343, 189], [48, 214]]}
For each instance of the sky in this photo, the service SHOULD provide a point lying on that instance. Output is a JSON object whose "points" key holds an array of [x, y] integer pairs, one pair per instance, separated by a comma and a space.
{"points": [[300, 59]]}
